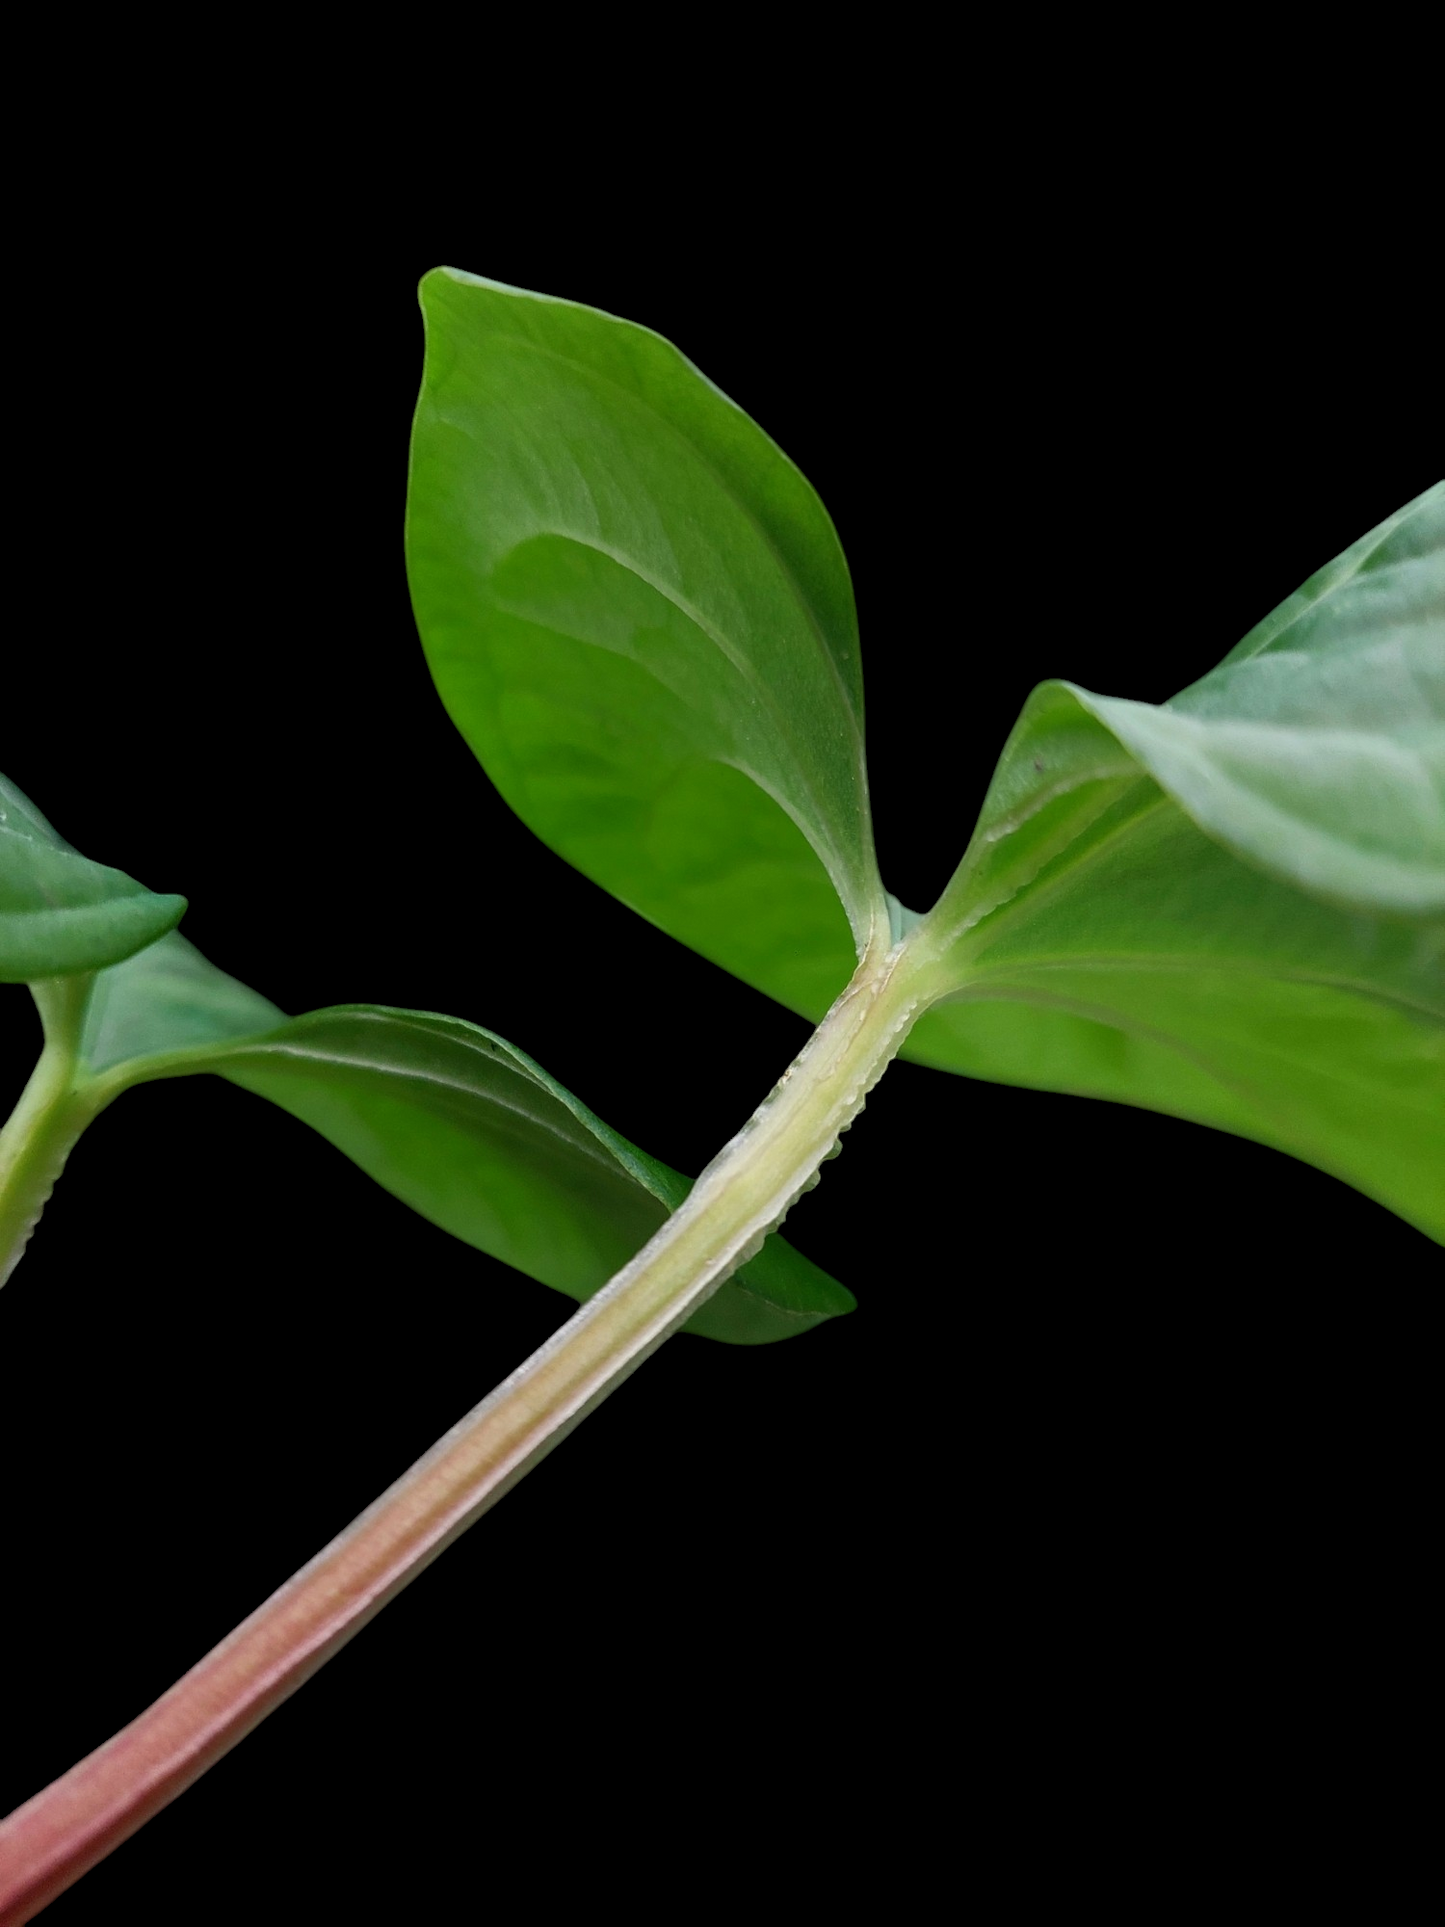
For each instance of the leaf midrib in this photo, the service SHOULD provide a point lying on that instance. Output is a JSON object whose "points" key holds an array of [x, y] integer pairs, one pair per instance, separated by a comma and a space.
{"points": [[750, 675], [588, 1145], [1124, 963], [1031, 895]]}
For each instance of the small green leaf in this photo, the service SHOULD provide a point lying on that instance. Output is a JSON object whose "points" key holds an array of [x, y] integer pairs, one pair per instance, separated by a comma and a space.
{"points": [[61, 914], [470, 1132], [447, 1117], [637, 613], [1232, 908]]}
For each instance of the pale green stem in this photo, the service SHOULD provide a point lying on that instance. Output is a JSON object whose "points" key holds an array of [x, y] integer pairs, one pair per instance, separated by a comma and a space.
{"points": [[744, 1192], [52, 1113]]}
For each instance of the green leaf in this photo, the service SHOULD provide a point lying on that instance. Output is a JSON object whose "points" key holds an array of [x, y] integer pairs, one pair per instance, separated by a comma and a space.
{"points": [[168, 998], [1232, 908], [1317, 748], [61, 914], [447, 1117], [637, 613]]}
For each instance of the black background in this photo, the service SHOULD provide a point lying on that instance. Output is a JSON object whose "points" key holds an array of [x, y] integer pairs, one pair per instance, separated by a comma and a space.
{"points": [[1127, 1406]]}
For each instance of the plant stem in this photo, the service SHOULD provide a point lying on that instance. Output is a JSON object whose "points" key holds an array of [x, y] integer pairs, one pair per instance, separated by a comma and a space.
{"points": [[51, 1114], [742, 1195]]}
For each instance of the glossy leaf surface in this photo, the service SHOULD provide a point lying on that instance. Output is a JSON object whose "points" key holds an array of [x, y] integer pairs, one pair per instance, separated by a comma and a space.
{"points": [[637, 613], [1232, 907], [61, 914], [449, 1118]]}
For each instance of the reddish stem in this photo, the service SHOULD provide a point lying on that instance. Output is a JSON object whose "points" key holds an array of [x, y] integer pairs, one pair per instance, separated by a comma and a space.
{"points": [[53, 1839]]}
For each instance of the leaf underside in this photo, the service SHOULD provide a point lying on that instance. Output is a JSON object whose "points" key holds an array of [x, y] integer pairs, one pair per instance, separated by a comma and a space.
{"points": [[449, 1118]]}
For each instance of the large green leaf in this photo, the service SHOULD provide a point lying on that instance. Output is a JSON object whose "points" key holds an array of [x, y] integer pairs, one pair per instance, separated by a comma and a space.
{"points": [[61, 914], [449, 1118], [638, 614], [1232, 908]]}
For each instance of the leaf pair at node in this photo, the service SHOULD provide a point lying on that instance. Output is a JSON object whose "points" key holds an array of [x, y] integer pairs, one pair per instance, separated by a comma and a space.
{"points": [[1229, 907]]}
